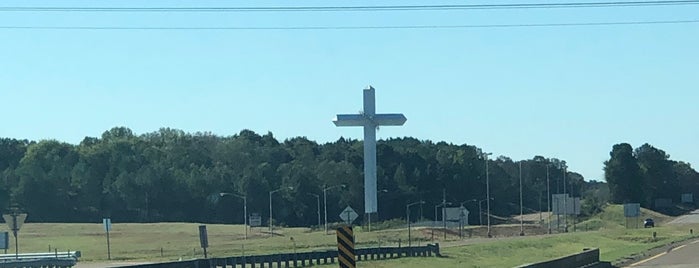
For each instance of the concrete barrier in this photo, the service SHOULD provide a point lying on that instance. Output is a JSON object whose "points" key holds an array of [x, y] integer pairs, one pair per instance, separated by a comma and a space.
{"points": [[586, 258]]}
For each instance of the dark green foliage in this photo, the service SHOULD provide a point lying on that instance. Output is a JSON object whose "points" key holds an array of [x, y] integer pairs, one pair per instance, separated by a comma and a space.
{"points": [[646, 174], [170, 175]]}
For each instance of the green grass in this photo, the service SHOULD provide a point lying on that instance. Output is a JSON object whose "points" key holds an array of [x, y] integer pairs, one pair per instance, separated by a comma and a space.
{"points": [[144, 242]]}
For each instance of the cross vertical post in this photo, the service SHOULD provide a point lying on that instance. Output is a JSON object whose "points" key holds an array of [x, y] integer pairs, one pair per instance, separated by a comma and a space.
{"points": [[370, 121]]}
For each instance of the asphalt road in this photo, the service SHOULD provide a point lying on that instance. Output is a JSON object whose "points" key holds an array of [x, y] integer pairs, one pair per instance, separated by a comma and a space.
{"points": [[692, 217], [683, 256]]}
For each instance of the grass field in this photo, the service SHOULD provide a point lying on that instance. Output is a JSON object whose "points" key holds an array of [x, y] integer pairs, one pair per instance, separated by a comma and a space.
{"points": [[172, 241]]}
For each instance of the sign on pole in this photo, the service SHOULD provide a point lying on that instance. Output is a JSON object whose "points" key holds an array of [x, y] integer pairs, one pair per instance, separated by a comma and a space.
{"points": [[345, 247], [4, 241], [107, 222], [255, 220], [203, 239], [15, 221], [455, 213], [632, 210], [348, 215]]}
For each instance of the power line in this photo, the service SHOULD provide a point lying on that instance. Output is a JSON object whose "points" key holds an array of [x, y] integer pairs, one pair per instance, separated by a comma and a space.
{"points": [[582, 24], [357, 8]]}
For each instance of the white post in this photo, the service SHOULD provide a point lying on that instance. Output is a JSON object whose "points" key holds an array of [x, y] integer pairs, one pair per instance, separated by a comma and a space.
{"points": [[325, 209], [245, 218], [487, 192], [521, 211], [548, 195]]}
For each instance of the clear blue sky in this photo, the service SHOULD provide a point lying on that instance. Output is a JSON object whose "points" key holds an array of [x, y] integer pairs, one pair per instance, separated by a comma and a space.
{"points": [[565, 92]]}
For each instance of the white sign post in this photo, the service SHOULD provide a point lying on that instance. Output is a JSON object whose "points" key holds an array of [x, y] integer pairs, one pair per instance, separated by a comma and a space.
{"points": [[107, 222], [348, 215]]}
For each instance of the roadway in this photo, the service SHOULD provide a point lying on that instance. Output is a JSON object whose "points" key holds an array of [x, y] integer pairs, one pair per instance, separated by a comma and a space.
{"points": [[683, 256]]}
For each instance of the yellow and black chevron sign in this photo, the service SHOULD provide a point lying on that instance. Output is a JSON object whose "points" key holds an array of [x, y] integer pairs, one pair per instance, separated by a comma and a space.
{"points": [[345, 247]]}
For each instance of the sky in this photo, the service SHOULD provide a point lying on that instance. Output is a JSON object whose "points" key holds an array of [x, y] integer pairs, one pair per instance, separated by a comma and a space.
{"points": [[566, 92]]}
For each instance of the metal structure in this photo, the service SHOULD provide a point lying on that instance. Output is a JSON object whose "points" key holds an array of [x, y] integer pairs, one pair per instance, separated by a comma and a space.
{"points": [[271, 231], [407, 216], [325, 203], [317, 206], [487, 191], [245, 210], [369, 120]]}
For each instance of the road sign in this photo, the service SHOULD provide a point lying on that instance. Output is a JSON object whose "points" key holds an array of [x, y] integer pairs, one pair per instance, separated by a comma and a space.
{"points": [[454, 213], [348, 215], [107, 222], [345, 247], [632, 210], [255, 220], [15, 221], [4, 241]]}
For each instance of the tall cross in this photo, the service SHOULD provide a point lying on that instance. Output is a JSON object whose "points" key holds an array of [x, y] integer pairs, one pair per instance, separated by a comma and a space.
{"points": [[370, 121]]}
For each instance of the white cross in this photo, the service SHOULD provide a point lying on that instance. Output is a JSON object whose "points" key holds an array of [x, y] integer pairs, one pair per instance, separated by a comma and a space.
{"points": [[370, 121]]}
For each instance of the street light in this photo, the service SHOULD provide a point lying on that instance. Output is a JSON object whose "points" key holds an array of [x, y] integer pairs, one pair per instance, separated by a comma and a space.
{"points": [[480, 211], [487, 190], [377, 214], [325, 203], [521, 210], [548, 196], [434, 224], [245, 210], [271, 232], [407, 212], [318, 206], [461, 222]]}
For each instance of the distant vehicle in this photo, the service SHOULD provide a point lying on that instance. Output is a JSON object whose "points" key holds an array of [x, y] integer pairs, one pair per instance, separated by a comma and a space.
{"points": [[648, 223]]}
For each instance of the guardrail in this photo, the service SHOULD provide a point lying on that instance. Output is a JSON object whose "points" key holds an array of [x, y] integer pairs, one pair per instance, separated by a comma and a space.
{"points": [[40, 260], [299, 259]]}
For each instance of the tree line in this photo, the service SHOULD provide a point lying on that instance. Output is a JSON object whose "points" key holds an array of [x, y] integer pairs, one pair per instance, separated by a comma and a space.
{"points": [[170, 175], [646, 174]]}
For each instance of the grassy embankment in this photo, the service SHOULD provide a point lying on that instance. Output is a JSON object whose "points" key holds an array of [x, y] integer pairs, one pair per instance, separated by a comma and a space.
{"points": [[180, 240]]}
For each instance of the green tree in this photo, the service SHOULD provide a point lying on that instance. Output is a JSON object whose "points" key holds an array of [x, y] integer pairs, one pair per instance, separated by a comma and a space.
{"points": [[623, 175]]}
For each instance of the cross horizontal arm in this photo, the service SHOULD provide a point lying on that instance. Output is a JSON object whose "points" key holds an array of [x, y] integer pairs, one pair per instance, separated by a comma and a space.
{"points": [[349, 120], [390, 119], [354, 120]]}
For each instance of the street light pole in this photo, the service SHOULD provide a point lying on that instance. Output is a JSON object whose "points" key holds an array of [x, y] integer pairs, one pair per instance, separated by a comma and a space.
{"points": [[318, 207], [487, 192], [548, 196], [271, 232], [325, 203], [434, 223], [521, 210], [461, 223], [245, 210], [407, 212], [565, 200]]}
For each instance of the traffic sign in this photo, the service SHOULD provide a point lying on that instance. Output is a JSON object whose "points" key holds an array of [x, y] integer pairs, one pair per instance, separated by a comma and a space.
{"points": [[107, 222], [15, 221], [348, 215], [255, 220]]}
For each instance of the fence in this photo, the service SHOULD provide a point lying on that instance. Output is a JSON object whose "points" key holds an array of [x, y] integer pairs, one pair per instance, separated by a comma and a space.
{"points": [[44, 260], [299, 259]]}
